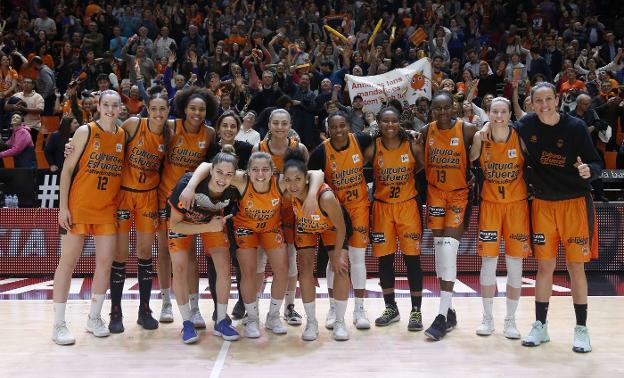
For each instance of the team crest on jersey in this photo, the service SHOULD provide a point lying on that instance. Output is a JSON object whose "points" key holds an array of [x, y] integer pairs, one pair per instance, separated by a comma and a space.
{"points": [[431, 141], [533, 139], [161, 148], [560, 143], [140, 143], [96, 145], [404, 158], [356, 158], [119, 147], [380, 162], [334, 167], [274, 201], [202, 144], [180, 142], [315, 217], [249, 204], [512, 153], [454, 141], [488, 156]]}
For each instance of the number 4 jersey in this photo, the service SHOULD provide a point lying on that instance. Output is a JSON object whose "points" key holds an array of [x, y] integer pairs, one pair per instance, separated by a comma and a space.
{"points": [[97, 178]]}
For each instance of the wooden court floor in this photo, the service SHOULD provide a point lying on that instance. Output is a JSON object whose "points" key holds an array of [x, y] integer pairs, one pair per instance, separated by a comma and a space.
{"points": [[26, 349]]}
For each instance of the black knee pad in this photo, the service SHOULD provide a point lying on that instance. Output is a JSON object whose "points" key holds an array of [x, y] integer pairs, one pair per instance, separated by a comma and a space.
{"points": [[414, 272], [386, 271]]}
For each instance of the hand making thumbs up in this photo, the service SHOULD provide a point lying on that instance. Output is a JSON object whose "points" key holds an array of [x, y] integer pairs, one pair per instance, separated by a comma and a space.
{"points": [[583, 168]]}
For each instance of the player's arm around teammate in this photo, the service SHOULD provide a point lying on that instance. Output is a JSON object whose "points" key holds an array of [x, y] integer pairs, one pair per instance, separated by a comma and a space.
{"points": [[79, 215], [504, 212], [328, 223]]}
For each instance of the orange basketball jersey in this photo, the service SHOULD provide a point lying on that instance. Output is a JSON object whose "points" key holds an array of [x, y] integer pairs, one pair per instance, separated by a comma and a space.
{"points": [[260, 211], [345, 175], [446, 157], [315, 223], [503, 170], [144, 155], [277, 160], [97, 178], [186, 151], [393, 172]]}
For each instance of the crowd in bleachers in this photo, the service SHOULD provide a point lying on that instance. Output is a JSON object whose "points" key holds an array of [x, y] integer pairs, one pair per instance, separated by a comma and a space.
{"points": [[56, 56]]}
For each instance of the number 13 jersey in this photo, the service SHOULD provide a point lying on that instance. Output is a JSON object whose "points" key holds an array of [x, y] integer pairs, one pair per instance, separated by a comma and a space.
{"points": [[446, 163], [393, 172]]}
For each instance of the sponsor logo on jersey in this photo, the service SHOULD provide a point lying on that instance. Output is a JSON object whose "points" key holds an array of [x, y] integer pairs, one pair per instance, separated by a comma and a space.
{"points": [[539, 239], [488, 236], [356, 158], [334, 167], [119, 147], [512, 153], [202, 144], [577, 240], [380, 162], [431, 141], [96, 145], [404, 158], [560, 143], [176, 235], [436, 211], [455, 209], [411, 235], [274, 201], [123, 214], [519, 237], [533, 139], [140, 143], [249, 204], [241, 231], [161, 148], [315, 217], [454, 141], [378, 237]]}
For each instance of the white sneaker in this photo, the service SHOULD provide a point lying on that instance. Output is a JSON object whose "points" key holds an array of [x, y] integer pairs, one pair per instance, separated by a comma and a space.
{"points": [[511, 331], [360, 319], [166, 313], [330, 319], [275, 325], [197, 319], [340, 331], [310, 333], [487, 326], [97, 327], [581, 340], [61, 334], [538, 335], [251, 328]]}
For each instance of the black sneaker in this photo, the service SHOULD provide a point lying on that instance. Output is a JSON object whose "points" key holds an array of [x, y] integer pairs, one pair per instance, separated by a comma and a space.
{"points": [[116, 323], [238, 312], [437, 329], [451, 320], [145, 319], [389, 316], [415, 321], [292, 316]]}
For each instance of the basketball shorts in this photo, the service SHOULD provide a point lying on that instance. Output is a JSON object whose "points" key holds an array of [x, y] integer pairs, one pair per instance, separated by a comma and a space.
{"points": [[142, 206], [247, 238], [392, 221], [184, 243], [446, 209], [504, 220]]}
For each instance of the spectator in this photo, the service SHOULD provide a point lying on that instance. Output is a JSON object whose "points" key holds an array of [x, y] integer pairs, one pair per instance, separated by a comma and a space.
{"points": [[45, 84], [94, 40], [247, 132], [268, 94], [164, 45], [141, 59], [609, 49], [539, 65], [304, 110], [45, 24], [55, 144], [20, 144], [32, 108], [117, 43]]}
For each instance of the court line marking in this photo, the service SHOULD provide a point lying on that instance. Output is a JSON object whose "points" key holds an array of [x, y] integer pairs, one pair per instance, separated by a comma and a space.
{"points": [[220, 361]]}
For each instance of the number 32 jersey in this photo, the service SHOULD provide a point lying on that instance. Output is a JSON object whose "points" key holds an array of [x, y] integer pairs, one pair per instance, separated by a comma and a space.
{"points": [[393, 171]]}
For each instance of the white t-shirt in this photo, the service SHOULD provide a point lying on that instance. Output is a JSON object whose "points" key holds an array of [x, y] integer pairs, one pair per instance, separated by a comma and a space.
{"points": [[250, 136], [34, 101]]}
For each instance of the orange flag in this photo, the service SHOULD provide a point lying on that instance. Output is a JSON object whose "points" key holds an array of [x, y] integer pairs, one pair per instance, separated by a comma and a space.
{"points": [[418, 36]]}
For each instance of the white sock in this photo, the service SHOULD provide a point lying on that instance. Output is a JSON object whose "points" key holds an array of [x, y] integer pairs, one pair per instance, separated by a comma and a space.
{"points": [[194, 301], [289, 298], [258, 296], [310, 310], [341, 308], [512, 306], [487, 307], [59, 312], [185, 311], [445, 302], [359, 303], [165, 294], [97, 300], [252, 310], [221, 311], [276, 304], [332, 304]]}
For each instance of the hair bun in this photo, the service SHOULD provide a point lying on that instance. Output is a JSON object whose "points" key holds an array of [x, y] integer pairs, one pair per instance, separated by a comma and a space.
{"points": [[228, 149]]}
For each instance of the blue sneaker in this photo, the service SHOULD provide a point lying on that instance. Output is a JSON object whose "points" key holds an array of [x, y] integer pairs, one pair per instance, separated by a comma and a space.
{"points": [[224, 329], [189, 335]]}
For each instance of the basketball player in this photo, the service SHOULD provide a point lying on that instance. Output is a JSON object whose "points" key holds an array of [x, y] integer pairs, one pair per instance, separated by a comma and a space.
{"points": [[342, 160], [206, 219], [95, 169], [564, 162], [447, 170], [189, 144], [147, 138], [396, 158], [277, 145], [504, 212], [329, 223]]}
